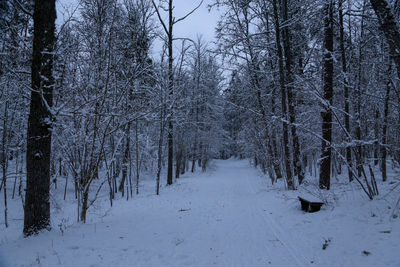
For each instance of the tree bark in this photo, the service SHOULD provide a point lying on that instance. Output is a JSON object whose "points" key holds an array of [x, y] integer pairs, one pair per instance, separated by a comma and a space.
{"points": [[325, 171], [37, 205], [178, 162], [359, 94], [137, 158], [125, 159], [384, 128], [85, 199], [171, 93], [286, 150], [160, 146], [376, 133], [346, 89], [298, 170], [4, 163]]}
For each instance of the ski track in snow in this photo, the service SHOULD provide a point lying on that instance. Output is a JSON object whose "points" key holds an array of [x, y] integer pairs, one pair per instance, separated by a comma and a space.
{"points": [[278, 232]]}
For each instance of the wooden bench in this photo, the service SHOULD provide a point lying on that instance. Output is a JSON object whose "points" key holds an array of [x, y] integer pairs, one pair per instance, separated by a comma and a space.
{"points": [[310, 204]]}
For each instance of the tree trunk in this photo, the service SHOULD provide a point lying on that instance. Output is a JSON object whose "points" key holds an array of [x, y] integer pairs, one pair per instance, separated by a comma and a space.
{"points": [[85, 199], [178, 164], [183, 169], [16, 173], [298, 170], [286, 150], [37, 205], [325, 170], [171, 93], [159, 154], [359, 147], [4, 163], [137, 158], [346, 90], [385, 122], [376, 132], [194, 156], [125, 159]]}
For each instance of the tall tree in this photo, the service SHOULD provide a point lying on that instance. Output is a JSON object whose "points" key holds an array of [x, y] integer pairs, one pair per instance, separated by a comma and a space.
{"points": [[346, 87], [325, 171], [288, 54], [37, 205], [168, 29], [286, 144]]}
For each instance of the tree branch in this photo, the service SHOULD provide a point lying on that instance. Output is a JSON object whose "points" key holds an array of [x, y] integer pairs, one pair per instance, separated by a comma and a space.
{"points": [[159, 17], [23, 9], [188, 14]]}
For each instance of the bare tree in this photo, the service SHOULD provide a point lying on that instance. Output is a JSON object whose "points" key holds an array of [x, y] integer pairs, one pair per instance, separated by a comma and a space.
{"points": [[170, 38]]}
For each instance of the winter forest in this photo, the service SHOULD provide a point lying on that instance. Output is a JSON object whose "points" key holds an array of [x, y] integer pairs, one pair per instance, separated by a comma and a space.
{"points": [[274, 143]]}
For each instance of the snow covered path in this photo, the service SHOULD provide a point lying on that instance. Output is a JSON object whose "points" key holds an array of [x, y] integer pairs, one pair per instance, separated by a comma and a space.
{"points": [[215, 218], [224, 217]]}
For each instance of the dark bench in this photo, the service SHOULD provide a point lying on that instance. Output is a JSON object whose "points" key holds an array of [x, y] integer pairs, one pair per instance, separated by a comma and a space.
{"points": [[310, 205]]}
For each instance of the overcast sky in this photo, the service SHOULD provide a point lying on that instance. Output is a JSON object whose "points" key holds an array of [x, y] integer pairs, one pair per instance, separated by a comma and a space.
{"points": [[201, 22]]}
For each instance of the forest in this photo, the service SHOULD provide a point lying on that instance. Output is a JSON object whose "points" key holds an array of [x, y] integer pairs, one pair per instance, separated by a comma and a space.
{"points": [[306, 92]]}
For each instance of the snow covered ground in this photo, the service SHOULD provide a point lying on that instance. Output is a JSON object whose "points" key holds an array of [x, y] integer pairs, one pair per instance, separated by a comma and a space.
{"points": [[228, 216]]}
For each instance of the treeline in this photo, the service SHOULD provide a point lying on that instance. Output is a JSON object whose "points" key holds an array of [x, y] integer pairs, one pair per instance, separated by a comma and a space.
{"points": [[101, 100], [314, 87]]}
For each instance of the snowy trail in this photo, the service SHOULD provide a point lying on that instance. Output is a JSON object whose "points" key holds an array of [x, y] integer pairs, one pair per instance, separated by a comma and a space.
{"points": [[228, 216], [216, 218]]}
